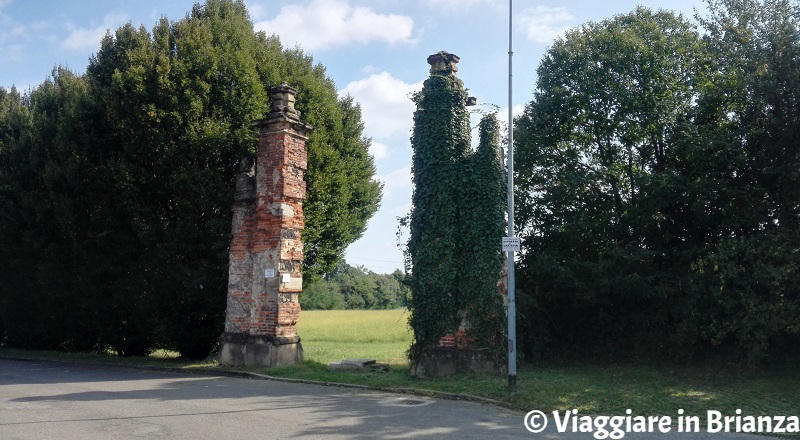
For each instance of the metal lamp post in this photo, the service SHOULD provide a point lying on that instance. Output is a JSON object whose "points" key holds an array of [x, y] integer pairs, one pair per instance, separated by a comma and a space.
{"points": [[511, 244]]}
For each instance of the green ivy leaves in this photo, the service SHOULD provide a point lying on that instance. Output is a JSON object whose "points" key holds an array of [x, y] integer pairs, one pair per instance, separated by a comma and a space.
{"points": [[456, 223]]}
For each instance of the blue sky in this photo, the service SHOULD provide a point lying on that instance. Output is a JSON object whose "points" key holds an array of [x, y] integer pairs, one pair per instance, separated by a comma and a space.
{"points": [[374, 50]]}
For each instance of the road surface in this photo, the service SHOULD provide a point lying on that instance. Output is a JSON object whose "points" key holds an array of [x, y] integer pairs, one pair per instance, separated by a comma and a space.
{"points": [[55, 400]]}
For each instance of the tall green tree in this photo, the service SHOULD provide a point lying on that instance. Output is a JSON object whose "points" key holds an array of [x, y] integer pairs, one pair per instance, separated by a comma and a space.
{"points": [[341, 186], [756, 43], [744, 294], [657, 186], [46, 172], [14, 120], [135, 164], [599, 187]]}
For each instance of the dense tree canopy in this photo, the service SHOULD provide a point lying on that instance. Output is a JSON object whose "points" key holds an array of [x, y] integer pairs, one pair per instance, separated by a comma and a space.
{"points": [[117, 184], [657, 186]]}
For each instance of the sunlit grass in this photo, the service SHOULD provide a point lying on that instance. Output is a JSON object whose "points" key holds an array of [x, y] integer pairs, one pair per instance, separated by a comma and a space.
{"points": [[332, 335], [355, 326], [164, 354]]}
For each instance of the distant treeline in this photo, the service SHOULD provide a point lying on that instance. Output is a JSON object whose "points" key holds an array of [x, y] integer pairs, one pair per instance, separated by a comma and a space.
{"points": [[350, 287]]}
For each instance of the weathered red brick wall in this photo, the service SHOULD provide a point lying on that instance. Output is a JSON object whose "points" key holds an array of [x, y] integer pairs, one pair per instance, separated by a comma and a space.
{"points": [[266, 249]]}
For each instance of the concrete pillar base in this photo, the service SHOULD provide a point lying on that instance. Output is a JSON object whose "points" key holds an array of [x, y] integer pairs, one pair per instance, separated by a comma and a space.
{"points": [[259, 351], [446, 361]]}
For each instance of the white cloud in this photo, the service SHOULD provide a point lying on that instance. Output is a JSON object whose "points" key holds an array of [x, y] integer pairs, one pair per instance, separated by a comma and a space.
{"points": [[378, 150], [14, 32], [257, 11], [396, 180], [385, 104], [542, 24], [12, 36], [89, 39], [42, 26], [502, 115], [11, 52], [323, 24], [370, 69], [400, 210]]}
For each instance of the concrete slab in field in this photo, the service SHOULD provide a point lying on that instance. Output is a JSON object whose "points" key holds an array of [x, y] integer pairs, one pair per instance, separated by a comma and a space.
{"points": [[352, 364], [363, 362]]}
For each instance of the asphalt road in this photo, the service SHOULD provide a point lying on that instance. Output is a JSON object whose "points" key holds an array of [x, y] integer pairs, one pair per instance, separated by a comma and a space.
{"points": [[54, 400]]}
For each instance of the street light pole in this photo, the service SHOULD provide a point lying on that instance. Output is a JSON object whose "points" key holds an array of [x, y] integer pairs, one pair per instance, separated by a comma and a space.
{"points": [[512, 308]]}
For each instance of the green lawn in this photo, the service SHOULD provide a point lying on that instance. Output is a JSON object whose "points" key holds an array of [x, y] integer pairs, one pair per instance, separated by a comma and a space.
{"points": [[332, 335], [329, 336]]}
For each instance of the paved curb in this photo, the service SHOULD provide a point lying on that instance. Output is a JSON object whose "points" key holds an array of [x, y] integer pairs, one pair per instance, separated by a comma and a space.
{"points": [[202, 371]]}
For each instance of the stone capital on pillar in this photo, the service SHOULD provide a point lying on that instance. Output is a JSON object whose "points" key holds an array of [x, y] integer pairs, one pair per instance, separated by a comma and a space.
{"points": [[443, 63], [283, 114]]}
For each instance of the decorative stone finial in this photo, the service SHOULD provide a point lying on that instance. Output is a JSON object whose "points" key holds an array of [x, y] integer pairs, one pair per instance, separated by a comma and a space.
{"points": [[443, 63], [283, 98]]}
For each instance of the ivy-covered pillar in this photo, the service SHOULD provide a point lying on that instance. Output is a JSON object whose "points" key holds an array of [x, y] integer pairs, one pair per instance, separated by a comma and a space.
{"points": [[456, 227]]}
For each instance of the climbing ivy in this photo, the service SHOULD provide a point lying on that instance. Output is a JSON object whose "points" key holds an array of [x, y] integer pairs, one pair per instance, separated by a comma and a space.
{"points": [[456, 222], [481, 227]]}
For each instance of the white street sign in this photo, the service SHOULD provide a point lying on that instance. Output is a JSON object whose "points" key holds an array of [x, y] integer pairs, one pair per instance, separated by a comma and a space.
{"points": [[511, 244]]}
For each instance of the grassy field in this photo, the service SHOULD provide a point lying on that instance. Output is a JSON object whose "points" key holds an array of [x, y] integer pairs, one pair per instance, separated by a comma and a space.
{"points": [[329, 336], [333, 335]]}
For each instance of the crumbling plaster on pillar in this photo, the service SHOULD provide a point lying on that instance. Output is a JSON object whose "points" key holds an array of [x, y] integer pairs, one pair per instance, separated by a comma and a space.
{"points": [[282, 210]]}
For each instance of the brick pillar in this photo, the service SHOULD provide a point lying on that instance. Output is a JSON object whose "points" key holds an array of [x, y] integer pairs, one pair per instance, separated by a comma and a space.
{"points": [[266, 251]]}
